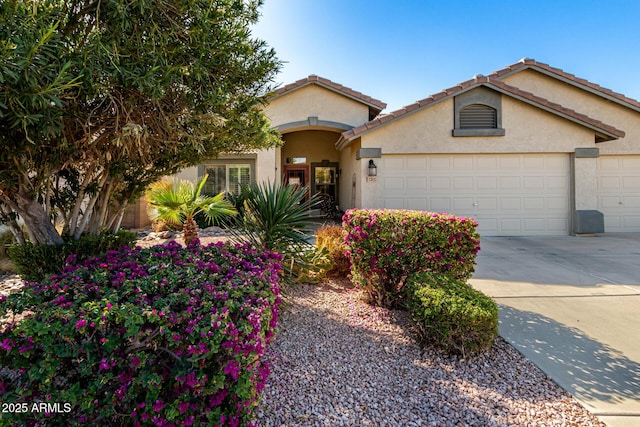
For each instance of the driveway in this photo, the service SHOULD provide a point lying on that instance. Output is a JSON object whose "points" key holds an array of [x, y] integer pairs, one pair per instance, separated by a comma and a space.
{"points": [[572, 306]]}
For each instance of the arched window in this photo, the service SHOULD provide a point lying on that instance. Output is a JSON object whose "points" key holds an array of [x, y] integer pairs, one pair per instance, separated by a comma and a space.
{"points": [[478, 116]]}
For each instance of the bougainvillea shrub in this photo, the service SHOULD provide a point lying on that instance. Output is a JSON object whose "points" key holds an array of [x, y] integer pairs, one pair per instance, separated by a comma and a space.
{"points": [[165, 336], [386, 246]]}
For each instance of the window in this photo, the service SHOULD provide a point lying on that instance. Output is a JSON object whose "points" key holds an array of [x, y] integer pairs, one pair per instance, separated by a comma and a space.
{"points": [[478, 112], [478, 116], [226, 177]]}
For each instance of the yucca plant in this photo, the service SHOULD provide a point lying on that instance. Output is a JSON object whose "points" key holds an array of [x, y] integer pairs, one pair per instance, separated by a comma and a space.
{"points": [[179, 202], [278, 218]]}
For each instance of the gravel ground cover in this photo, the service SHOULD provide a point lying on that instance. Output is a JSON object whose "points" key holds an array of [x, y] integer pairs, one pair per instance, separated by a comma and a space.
{"points": [[337, 361]]}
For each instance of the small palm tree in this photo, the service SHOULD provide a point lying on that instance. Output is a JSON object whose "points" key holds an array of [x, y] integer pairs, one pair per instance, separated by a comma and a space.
{"points": [[179, 202]]}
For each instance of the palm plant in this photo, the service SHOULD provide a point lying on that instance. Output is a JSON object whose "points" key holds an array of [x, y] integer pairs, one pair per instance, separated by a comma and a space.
{"points": [[179, 202], [277, 217]]}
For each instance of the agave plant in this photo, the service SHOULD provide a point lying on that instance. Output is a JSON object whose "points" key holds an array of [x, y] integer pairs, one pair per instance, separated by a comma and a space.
{"points": [[179, 202], [277, 217]]}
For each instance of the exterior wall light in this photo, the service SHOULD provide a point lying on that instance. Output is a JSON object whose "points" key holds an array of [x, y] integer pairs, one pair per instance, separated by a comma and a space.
{"points": [[373, 169]]}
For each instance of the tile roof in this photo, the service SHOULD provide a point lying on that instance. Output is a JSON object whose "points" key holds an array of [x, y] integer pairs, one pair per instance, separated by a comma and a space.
{"points": [[609, 131], [526, 63], [336, 87]]}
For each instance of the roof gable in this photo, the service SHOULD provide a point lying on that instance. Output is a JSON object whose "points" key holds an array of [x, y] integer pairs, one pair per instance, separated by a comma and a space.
{"points": [[559, 74], [375, 105], [603, 131]]}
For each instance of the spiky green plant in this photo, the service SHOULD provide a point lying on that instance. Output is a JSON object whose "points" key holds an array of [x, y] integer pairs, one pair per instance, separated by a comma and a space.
{"points": [[179, 202], [278, 218]]}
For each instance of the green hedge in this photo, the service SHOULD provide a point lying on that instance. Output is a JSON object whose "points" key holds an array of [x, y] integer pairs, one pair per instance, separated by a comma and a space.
{"points": [[386, 246], [165, 336], [451, 314], [36, 262]]}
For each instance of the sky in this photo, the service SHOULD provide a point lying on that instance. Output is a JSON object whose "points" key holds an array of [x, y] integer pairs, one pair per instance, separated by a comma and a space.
{"points": [[400, 51]]}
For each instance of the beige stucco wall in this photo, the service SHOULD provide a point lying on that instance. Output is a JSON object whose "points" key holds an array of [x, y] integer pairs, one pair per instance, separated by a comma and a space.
{"points": [[315, 101], [189, 174], [527, 129], [350, 177], [587, 103], [315, 145]]}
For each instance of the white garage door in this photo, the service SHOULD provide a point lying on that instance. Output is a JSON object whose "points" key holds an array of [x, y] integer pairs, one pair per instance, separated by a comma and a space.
{"points": [[618, 180], [508, 194]]}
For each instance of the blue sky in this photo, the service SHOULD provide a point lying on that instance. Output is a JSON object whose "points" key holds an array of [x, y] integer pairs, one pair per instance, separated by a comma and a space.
{"points": [[400, 51]]}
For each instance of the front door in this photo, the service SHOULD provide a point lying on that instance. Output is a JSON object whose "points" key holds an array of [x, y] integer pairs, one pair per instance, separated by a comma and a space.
{"points": [[325, 180]]}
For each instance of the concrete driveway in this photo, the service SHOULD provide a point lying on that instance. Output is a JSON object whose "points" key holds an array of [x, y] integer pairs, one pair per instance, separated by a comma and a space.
{"points": [[571, 305]]}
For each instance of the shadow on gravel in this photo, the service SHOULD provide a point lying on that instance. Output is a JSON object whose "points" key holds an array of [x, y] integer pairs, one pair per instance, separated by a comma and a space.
{"points": [[588, 369]]}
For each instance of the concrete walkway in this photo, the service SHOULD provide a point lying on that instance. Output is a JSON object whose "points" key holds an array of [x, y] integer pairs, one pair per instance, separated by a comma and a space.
{"points": [[571, 305]]}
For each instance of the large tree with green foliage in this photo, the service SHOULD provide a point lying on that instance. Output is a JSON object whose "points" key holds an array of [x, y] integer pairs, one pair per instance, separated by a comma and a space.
{"points": [[99, 98]]}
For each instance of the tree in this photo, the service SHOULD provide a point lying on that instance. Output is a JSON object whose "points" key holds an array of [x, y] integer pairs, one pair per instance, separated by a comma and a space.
{"points": [[179, 202], [98, 99]]}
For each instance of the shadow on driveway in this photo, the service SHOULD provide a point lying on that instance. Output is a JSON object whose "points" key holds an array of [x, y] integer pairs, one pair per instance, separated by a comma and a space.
{"points": [[589, 370]]}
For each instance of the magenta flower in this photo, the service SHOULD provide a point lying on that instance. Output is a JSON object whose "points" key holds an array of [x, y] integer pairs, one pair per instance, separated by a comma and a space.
{"points": [[81, 324]]}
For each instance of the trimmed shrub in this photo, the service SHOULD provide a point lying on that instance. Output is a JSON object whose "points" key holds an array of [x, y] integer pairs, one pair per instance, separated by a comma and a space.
{"points": [[35, 262], [387, 246], [162, 336], [331, 240], [451, 314]]}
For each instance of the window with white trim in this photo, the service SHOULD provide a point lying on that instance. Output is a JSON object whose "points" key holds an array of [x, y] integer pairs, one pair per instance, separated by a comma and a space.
{"points": [[226, 177]]}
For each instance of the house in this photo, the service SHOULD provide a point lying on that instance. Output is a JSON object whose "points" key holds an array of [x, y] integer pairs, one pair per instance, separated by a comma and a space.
{"points": [[527, 150]]}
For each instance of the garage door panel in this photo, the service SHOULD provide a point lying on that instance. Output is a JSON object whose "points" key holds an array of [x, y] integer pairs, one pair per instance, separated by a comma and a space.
{"points": [[534, 203], [487, 183], [608, 183], [510, 163], [463, 162], [510, 225], [486, 204], [534, 225], [558, 204], [631, 202], [417, 204], [440, 204], [533, 182], [556, 182], [630, 183], [393, 184], [463, 183], [487, 164], [508, 194], [416, 163], [510, 203], [439, 183], [417, 184], [510, 183], [618, 192]]}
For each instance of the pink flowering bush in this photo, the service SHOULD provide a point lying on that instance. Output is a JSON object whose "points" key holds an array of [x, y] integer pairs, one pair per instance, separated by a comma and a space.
{"points": [[386, 246], [165, 336]]}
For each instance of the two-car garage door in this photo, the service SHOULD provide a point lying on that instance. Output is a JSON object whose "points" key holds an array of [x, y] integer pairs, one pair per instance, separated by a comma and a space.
{"points": [[618, 192], [508, 194]]}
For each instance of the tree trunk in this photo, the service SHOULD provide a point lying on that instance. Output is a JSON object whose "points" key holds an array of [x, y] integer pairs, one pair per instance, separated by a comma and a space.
{"points": [[189, 230], [39, 226]]}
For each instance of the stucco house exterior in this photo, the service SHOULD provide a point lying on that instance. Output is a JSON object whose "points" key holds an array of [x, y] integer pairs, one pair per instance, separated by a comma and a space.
{"points": [[527, 150]]}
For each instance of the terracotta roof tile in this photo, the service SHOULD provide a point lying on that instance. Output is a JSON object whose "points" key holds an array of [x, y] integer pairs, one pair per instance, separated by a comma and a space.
{"points": [[314, 79]]}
